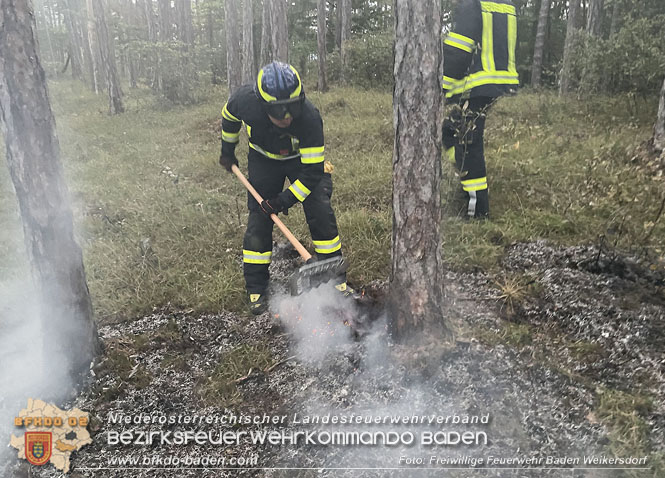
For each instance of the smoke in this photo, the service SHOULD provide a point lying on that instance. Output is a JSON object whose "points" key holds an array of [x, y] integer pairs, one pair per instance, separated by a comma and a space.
{"points": [[30, 366], [319, 320]]}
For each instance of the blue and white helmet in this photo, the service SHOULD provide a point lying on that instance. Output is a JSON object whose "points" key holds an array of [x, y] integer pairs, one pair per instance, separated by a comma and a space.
{"points": [[280, 88]]}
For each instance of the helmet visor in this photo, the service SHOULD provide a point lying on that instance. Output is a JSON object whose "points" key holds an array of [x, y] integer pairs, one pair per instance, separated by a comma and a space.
{"points": [[291, 108]]}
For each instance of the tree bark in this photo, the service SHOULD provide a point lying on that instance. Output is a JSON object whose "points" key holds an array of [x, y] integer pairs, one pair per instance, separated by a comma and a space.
{"points": [[594, 20], [571, 30], [33, 156], [107, 56], [321, 41], [248, 63], [233, 64], [279, 31], [416, 283], [165, 20], [346, 12], [266, 35], [659, 128], [537, 67]]}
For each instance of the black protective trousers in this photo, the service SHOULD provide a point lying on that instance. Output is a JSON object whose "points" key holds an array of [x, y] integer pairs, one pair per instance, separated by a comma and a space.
{"points": [[267, 176], [464, 129]]}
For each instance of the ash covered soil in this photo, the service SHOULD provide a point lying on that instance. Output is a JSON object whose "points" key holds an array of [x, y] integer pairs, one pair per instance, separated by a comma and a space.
{"points": [[549, 350]]}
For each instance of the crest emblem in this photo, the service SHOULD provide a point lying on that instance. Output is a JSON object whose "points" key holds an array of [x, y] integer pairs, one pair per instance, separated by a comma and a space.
{"points": [[38, 447]]}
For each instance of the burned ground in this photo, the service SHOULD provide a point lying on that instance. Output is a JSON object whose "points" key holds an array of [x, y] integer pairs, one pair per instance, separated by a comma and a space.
{"points": [[564, 352]]}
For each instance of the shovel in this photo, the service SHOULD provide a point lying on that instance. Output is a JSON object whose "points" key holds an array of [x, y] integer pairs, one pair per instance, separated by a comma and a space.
{"points": [[313, 273]]}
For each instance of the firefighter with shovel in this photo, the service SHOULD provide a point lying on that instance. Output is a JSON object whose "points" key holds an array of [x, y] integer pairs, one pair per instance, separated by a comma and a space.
{"points": [[285, 133]]}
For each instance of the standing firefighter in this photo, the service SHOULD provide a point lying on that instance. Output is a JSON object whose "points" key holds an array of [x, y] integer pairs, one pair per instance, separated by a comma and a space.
{"points": [[285, 133], [479, 66]]}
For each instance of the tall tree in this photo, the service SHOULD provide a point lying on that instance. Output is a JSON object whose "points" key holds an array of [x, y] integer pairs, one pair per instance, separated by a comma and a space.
{"points": [[107, 57], [321, 43], [248, 63], [266, 34], [75, 47], [279, 30], [416, 282], [594, 17], [33, 156], [233, 65], [346, 12], [537, 67], [565, 84], [93, 44], [659, 128]]}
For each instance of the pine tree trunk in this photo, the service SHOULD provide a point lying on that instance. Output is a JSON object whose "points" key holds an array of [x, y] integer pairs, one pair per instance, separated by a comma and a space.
{"points": [[659, 128], [94, 47], [165, 20], [33, 156], [321, 41], [107, 55], [571, 32], [416, 283], [266, 36], [279, 31], [233, 64], [616, 17], [248, 63], [74, 42], [210, 29], [595, 17], [345, 35], [537, 67]]}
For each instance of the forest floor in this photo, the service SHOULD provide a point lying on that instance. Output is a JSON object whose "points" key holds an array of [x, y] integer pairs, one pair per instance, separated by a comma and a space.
{"points": [[558, 303]]}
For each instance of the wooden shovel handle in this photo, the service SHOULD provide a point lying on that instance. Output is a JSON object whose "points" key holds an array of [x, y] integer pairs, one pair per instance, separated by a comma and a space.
{"points": [[292, 239]]}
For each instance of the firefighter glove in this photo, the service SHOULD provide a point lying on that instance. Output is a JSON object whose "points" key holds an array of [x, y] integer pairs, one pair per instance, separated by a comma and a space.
{"points": [[227, 161], [273, 206]]}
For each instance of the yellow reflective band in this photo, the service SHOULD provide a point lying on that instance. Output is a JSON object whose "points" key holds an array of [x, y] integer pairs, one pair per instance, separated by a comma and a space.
{"points": [[327, 247], [227, 115], [488, 43], [450, 154], [249, 131], [280, 157], [481, 78], [299, 190], [230, 137], [448, 82], [460, 41], [312, 155], [493, 7], [296, 93], [512, 41], [264, 95], [474, 184], [254, 297], [253, 257]]}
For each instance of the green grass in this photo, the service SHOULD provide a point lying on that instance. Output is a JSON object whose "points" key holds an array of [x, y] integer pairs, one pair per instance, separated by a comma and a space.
{"points": [[160, 222]]}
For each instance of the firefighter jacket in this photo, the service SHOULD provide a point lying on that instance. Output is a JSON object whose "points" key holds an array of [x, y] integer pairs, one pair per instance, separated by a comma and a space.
{"points": [[303, 139], [479, 52]]}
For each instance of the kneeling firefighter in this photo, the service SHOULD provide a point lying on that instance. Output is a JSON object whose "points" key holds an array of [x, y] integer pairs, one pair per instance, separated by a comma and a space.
{"points": [[285, 132]]}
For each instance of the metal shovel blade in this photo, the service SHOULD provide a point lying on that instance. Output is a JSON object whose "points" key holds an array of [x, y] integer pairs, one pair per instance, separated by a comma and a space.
{"points": [[316, 273]]}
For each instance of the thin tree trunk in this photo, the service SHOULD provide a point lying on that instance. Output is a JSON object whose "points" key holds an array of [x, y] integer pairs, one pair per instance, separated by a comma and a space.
{"points": [[345, 35], [279, 31], [571, 32], [659, 128], [153, 37], [537, 67], [416, 283], [107, 55], [266, 36], [321, 40], [94, 47], [233, 64], [33, 156], [595, 17], [165, 20], [248, 63], [75, 45], [616, 18], [210, 26]]}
